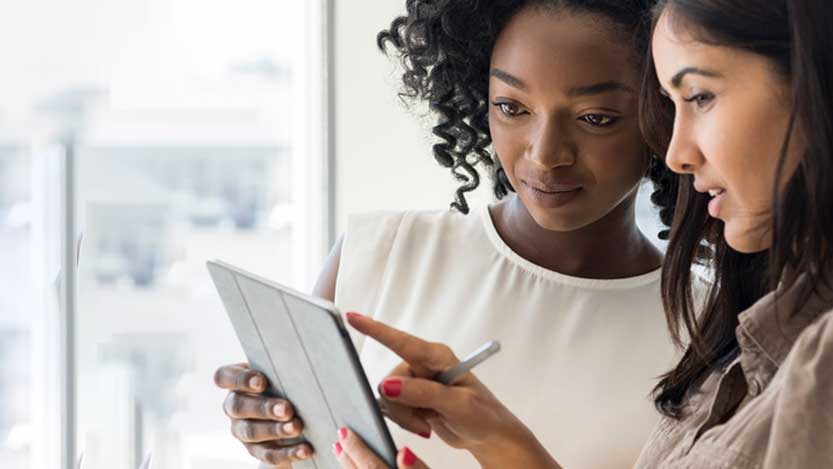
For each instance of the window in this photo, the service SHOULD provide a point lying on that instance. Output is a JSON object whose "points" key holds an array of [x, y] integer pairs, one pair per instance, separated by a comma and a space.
{"points": [[197, 131]]}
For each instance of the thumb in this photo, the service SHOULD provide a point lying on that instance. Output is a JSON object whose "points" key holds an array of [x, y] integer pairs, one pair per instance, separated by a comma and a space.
{"points": [[406, 459]]}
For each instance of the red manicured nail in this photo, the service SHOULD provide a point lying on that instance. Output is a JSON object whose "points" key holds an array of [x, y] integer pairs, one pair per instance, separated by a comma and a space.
{"points": [[392, 387], [337, 448], [426, 435], [342, 433], [408, 458]]}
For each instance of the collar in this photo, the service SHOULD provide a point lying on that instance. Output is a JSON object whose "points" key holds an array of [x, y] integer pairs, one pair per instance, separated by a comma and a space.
{"points": [[771, 326]]}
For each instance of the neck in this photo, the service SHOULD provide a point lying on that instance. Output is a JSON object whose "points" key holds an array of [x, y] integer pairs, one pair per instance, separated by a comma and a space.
{"points": [[612, 247]]}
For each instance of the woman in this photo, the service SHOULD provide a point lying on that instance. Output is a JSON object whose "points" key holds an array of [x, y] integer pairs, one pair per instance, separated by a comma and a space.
{"points": [[742, 89], [557, 268]]}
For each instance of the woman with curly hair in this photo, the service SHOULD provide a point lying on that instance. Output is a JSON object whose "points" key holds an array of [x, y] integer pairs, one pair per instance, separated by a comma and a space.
{"points": [[541, 96]]}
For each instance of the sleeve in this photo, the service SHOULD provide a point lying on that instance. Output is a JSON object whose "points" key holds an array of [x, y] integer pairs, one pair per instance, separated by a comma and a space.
{"points": [[802, 427], [365, 257]]}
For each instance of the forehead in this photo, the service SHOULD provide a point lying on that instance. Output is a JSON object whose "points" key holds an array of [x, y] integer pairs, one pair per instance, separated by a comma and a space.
{"points": [[674, 48], [552, 48]]}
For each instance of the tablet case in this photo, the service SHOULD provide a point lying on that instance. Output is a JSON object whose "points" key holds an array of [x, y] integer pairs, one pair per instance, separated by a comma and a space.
{"points": [[301, 345]]}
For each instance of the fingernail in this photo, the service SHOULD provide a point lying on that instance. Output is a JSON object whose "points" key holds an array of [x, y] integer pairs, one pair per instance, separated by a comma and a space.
{"points": [[279, 409], [426, 435], [353, 314], [408, 458], [256, 382], [302, 453], [337, 448], [289, 427], [392, 387], [342, 433]]}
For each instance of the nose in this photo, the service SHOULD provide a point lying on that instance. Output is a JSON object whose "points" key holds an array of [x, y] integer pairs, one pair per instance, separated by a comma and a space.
{"points": [[683, 156], [551, 145]]}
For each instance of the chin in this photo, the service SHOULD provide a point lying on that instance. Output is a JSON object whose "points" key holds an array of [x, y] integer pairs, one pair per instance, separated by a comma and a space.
{"points": [[562, 222], [746, 239]]}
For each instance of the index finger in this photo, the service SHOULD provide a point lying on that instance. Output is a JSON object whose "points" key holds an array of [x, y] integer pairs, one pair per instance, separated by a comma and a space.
{"points": [[240, 377], [423, 356]]}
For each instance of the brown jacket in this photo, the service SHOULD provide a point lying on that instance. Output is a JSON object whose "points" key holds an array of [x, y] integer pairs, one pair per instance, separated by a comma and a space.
{"points": [[772, 408]]}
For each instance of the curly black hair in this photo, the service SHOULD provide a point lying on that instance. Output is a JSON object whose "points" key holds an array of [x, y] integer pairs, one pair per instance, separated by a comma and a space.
{"points": [[445, 47]]}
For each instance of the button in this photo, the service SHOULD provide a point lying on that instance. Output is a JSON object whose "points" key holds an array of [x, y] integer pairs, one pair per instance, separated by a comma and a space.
{"points": [[754, 387]]}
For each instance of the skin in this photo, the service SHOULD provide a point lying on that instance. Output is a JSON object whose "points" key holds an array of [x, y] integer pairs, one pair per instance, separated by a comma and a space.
{"points": [[549, 128], [352, 453], [732, 115]]}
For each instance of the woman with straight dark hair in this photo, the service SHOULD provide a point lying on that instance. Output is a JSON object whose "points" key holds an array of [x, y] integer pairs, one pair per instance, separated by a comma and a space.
{"points": [[738, 95]]}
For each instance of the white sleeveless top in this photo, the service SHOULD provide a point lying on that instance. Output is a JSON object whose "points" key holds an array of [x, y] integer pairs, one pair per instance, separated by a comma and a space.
{"points": [[579, 356]]}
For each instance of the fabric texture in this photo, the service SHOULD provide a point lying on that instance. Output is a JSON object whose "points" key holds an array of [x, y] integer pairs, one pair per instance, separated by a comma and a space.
{"points": [[772, 407], [579, 356]]}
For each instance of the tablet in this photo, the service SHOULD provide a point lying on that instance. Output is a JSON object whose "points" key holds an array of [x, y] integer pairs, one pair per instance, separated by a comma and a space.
{"points": [[301, 345]]}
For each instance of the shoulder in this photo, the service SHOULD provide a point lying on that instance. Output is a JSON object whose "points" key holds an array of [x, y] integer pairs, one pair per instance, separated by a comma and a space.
{"points": [[803, 420], [809, 364], [375, 226], [375, 240], [815, 344]]}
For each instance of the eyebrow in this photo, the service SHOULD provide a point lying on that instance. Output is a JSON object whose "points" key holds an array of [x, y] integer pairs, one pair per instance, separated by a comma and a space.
{"points": [[507, 78], [596, 88], [677, 79]]}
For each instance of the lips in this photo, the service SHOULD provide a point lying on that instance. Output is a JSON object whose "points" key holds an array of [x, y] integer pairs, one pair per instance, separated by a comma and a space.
{"points": [[710, 189], [551, 195], [717, 196], [552, 188], [716, 203]]}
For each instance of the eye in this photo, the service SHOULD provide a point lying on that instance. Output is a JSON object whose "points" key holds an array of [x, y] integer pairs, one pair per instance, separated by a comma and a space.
{"points": [[599, 120], [509, 109], [701, 100]]}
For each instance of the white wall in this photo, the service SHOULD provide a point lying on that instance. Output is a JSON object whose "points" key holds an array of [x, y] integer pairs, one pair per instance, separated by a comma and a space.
{"points": [[383, 150]]}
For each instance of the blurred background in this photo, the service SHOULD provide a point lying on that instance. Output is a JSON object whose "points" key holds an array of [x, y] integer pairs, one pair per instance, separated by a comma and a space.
{"points": [[155, 135]]}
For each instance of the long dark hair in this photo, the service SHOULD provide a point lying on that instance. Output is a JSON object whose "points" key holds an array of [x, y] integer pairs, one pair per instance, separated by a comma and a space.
{"points": [[794, 36], [445, 47]]}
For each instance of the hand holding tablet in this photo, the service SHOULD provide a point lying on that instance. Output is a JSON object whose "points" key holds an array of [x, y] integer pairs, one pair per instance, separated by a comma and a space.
{"points": [[299, 343]]}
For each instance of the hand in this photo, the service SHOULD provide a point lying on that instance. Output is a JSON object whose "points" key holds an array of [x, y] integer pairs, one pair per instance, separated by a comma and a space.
{"points": [[352, 453], [464, 414], [262, 424]]}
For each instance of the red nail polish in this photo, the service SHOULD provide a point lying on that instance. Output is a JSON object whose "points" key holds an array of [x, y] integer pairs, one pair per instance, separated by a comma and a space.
{"points": [[337, 449], [408, 458], [426, 435], [342, 433], [392, 387]]}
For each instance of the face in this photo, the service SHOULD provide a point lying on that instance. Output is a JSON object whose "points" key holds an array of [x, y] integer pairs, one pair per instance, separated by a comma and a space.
{"points": [[732, 113], [563, 116]]}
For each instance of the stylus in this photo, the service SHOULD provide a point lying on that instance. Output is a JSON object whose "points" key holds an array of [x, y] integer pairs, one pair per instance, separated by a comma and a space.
{"points": [[478, 356]]}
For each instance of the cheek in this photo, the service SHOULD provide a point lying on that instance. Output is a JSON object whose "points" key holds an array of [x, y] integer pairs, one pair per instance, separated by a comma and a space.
{"points": [[508, 145], [617, 165], [744, 154]]}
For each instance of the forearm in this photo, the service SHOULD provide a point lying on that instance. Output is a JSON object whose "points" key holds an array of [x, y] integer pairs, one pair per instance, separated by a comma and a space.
{"points": [[521, 449]]}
